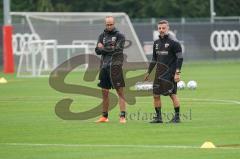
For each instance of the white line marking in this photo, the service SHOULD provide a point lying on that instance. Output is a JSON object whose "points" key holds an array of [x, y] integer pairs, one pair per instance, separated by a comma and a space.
{"points": [[115, 146], [214, 100], [222, 101]]}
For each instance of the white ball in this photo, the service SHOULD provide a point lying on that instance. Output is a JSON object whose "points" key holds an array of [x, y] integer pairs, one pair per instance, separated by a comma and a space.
{"points": [[143, 86], [150, 86], [192, 84], [181, 85], [138, 87]]}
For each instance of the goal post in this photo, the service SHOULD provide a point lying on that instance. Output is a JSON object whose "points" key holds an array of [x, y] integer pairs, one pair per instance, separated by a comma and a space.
{"points": [[7, 29], [71, 31]]}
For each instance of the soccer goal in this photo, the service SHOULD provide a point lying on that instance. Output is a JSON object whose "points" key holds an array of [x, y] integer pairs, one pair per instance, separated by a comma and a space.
{"points": [[43, 40]]}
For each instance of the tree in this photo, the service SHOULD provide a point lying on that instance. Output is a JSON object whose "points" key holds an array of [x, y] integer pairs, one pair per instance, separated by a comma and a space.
{"points": [[227, 8], [44, 6], [134, 8]]}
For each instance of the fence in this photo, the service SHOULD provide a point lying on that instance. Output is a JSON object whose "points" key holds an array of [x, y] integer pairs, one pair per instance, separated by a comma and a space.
{"points": [[201, 39]]}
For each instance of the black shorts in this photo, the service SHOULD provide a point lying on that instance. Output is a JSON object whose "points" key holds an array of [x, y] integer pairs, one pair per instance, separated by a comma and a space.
{"points": [[164, 85], [111, 78]]}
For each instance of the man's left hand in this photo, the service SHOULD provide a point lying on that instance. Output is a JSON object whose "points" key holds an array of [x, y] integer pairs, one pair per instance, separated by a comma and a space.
{"points": [[177, 77]]}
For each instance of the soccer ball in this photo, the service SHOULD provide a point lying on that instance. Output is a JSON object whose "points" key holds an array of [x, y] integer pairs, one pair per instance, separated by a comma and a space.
{"points": [[192, 84], [138, 86], [181, 85], [143, 86]]}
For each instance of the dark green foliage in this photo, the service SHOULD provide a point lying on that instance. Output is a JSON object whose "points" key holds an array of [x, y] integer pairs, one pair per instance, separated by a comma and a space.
{"points": [[134, 8]]}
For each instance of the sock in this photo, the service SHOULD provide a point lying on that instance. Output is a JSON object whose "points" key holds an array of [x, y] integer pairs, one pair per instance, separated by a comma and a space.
{"points": [[105, 114], [123, 114], [158, 112], [177, 110]]}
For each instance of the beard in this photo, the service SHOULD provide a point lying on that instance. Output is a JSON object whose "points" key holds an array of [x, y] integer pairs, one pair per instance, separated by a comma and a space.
{"points": [[162, 34]]}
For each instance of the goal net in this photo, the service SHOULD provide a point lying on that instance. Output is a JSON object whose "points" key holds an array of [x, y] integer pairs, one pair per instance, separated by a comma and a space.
{"points": [[44, 40]]}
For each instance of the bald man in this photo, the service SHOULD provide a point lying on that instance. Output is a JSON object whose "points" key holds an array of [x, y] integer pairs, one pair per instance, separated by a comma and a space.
{"points": [[110, 46]]}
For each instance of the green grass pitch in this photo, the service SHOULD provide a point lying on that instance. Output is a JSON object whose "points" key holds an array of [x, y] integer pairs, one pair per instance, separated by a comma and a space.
{"points": [[30, 129]]}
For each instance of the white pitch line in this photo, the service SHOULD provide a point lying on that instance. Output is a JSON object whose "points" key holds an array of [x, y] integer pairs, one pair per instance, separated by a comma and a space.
{"points": [[214, 100], [222, 101], [115, 146]]}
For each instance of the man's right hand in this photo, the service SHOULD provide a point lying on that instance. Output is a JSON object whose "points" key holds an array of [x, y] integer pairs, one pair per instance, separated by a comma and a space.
{"points": [[146, 78]]}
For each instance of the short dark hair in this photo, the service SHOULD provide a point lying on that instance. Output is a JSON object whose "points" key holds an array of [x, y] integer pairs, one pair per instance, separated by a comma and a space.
{"points": [[163, 22]]}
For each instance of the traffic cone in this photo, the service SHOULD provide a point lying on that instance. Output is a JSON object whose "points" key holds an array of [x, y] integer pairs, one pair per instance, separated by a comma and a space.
{"points": [[3, 80], [208, 145]]}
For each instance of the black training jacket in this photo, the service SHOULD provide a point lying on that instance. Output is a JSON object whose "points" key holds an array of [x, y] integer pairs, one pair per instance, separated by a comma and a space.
{"points": [[113, 42], [168, 52]]}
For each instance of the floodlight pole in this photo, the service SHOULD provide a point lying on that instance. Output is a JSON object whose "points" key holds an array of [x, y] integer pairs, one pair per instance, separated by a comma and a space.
{"points": [[7, 17], [212, 12]]}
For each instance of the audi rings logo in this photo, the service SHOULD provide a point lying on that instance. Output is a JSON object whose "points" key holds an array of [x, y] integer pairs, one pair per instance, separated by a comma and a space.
{"points": [[225, 40]]}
